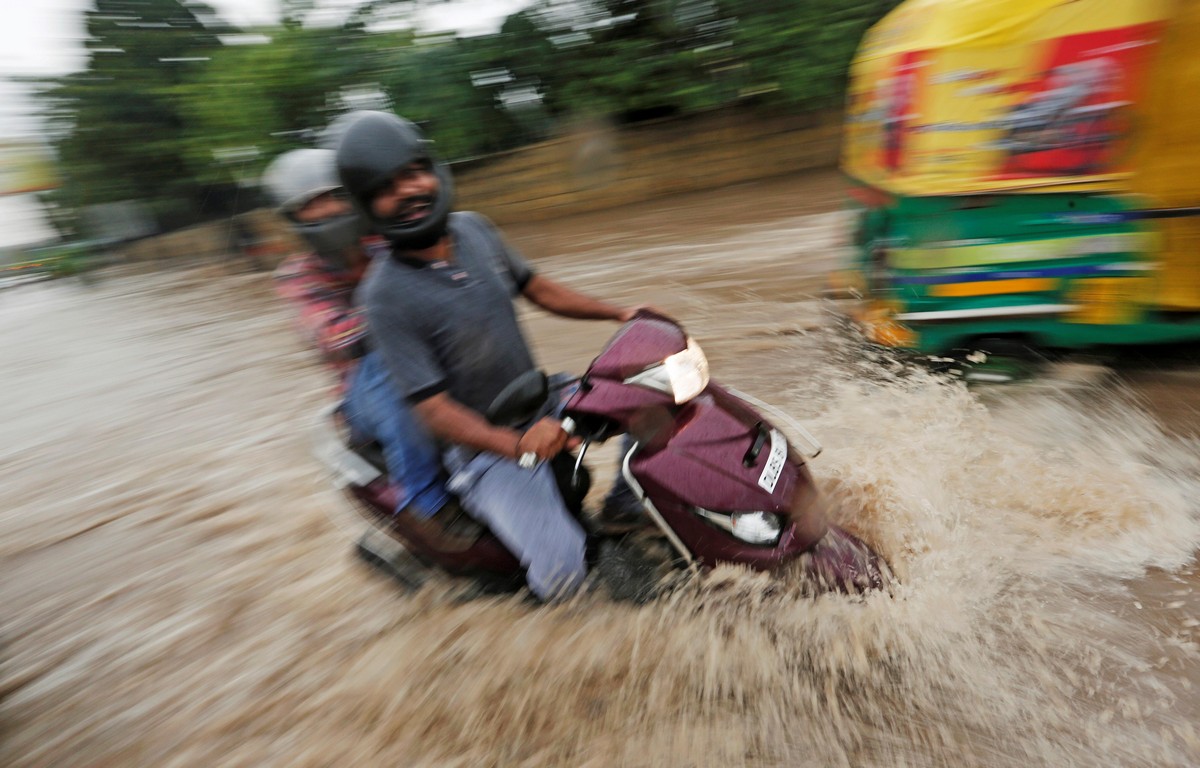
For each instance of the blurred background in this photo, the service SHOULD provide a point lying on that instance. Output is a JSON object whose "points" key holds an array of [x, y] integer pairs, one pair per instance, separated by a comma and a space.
{"points": [[177, 585], [124, 119]]}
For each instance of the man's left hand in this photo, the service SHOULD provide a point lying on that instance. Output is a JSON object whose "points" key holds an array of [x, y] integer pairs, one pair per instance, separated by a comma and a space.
{"points": [[546, 439], [628, 314]]}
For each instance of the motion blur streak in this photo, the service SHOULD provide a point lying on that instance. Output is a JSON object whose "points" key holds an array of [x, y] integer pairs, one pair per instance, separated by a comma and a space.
{"points": [[175, 593]]}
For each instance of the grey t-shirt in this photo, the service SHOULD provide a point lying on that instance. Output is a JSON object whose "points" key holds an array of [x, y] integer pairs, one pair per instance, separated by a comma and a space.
{"points": [[451, 326]]}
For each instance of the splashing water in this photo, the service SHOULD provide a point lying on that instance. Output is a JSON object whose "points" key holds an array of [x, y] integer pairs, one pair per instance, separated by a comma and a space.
{"points": [[175, 593]]}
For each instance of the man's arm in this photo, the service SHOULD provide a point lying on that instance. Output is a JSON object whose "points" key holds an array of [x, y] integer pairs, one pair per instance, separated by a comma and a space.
{"points": [[453, 422], [558, 299], [419, 378]]}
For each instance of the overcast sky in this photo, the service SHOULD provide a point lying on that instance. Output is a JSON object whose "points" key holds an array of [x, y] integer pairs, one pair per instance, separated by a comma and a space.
{"points": [[43, 37]]}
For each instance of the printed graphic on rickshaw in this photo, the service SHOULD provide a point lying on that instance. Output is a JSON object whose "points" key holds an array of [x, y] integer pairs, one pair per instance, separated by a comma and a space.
{"points": [[896, 98], [1080, 114]]}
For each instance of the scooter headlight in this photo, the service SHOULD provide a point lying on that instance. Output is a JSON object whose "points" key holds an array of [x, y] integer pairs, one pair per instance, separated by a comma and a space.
{"points": [[750, 527], [683, 375]]}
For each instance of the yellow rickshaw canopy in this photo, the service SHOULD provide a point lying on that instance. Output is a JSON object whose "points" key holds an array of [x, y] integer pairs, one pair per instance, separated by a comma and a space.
{"points": [[952, 97]]}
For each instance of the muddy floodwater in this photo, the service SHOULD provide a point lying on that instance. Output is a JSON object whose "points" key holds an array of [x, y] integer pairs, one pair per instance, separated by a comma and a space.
{"points": [[177, 586]]}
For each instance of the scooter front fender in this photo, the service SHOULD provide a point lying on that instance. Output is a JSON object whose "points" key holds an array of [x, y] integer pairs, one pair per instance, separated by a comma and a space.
{"points": [[723, 457]]}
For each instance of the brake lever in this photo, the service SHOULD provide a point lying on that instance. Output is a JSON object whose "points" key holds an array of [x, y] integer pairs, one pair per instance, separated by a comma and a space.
{"points": [[579, 463], [759, 441]]}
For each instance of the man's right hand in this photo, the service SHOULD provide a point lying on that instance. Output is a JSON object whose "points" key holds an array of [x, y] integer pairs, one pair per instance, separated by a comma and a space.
{"points": [[546, 439]]}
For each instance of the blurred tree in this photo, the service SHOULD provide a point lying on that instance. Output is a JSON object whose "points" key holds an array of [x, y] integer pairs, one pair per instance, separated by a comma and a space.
{"points": [[637, 59], [115, 125], [256, 100], [164, 113], [796, 54], [431, 84], [293, 12], [632, 59]]}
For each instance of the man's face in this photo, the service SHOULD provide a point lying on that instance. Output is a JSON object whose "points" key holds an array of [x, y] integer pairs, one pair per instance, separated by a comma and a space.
{"points": [[410, 194], [324, 206]]}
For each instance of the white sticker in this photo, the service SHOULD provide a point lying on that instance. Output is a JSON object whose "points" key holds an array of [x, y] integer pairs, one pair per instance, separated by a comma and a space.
{"points": [[775, 462]]}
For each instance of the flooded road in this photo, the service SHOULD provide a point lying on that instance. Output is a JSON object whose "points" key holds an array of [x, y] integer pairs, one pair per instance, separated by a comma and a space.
{"points": [[176, 584]]}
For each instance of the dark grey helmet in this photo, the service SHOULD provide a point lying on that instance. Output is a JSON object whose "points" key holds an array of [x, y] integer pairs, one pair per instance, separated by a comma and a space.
{"points": [[373, 146], [292, 180], [332, 134]]}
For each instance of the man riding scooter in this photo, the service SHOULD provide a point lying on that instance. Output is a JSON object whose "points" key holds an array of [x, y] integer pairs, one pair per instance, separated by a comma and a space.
{"points": [[441, 315], [320, 284]]}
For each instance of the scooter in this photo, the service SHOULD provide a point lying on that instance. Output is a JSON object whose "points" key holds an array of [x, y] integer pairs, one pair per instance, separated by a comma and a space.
{"points": [[720, 483]]}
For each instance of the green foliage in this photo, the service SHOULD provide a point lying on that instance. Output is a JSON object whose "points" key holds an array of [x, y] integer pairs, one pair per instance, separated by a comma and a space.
{"points": [[431, 85], [643, 58], [252, 101], [165, 113], [797, 54], [625, 58], [117, 128]]}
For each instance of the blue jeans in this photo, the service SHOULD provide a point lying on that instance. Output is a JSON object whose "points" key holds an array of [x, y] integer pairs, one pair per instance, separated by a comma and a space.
{"points": [[376, 411], [525, 510]]}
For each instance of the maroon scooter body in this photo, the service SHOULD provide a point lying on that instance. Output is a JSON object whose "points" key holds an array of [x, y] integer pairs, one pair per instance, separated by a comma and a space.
{"points": [[701, 464], [709, 452]]}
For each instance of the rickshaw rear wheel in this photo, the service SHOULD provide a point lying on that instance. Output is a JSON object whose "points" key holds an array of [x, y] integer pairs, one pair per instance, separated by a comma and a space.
{"points": [[1000, 359]]}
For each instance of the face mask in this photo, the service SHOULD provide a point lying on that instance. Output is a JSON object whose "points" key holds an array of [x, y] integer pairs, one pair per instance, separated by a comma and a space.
{"points": [[330, 238]]}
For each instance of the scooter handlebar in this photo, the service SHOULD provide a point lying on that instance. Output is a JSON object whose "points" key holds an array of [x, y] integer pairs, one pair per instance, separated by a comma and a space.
{"points": [[529, 459]]}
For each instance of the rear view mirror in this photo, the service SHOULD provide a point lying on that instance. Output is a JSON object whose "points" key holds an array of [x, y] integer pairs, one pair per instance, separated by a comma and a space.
{"points": [[519, 402]]}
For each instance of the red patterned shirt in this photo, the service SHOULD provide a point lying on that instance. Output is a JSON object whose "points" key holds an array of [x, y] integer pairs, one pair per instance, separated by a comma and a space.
{"points": [[324, 296]]}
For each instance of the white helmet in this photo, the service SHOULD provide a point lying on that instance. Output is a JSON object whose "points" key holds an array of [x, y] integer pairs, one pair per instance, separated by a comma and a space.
{"points": [[296, 177], [292, 180]]}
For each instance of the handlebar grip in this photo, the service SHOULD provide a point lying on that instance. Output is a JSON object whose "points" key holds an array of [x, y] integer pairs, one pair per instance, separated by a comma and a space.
{"points": [[529, 459]]}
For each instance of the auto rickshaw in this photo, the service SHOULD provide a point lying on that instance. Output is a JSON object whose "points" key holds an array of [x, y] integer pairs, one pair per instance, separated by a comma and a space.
{"points": [[1026, 174]]}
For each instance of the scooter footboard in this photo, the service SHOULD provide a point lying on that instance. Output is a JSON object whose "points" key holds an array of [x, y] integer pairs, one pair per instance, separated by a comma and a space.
{"points": [[450, 540]]}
